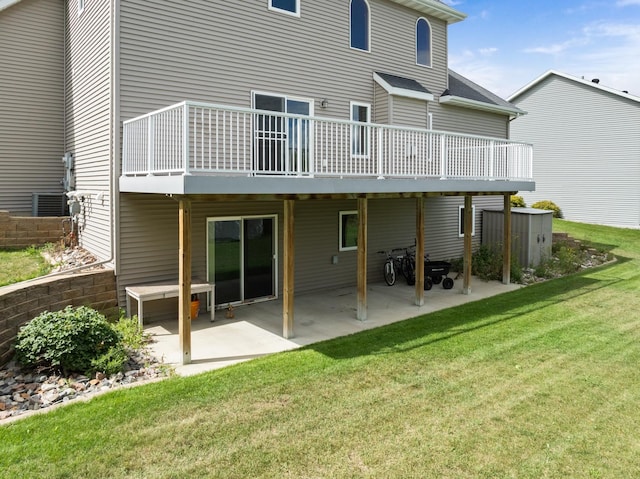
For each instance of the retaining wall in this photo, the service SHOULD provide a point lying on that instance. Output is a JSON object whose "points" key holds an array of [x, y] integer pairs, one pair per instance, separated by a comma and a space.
{"points": [[21, 302], [23, 231]]}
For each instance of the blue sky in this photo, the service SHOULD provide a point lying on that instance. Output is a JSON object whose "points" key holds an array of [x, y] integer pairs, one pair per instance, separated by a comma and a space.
{"points": [[505, 44]]}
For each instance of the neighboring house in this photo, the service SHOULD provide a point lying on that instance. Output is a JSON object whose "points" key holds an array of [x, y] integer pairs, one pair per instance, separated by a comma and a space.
{"points": [[31, 105], [224, 133], [587, 147]]}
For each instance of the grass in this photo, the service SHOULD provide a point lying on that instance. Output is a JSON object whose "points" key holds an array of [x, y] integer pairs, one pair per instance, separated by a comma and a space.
{"points": [[20, 265], [540, 382]]}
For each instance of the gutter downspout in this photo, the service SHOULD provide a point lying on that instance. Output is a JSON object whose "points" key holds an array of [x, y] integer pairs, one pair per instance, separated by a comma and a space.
{"points": [[115, 134]]}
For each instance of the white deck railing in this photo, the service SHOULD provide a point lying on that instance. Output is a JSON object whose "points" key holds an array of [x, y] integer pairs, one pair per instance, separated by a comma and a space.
{"points": [[196, 138]]}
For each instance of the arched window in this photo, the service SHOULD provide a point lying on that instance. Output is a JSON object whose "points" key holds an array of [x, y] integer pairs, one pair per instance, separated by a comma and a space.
{"points": [[423, 42], [359, 16]]}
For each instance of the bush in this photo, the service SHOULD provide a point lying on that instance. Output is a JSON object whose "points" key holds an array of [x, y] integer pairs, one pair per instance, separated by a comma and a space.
{"points": [[131, 332], [70, 340], [486, 264], [517, 202], [548, 205]]}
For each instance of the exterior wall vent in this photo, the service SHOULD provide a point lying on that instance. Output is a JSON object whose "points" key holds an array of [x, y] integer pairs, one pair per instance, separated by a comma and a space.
{"points": [[49, 204]]}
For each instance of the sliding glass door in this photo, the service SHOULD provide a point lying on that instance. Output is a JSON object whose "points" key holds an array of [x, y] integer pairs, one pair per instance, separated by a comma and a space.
{"points": [[241, 258]]}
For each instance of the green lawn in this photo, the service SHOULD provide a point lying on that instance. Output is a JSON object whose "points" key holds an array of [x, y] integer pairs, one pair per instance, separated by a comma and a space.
{"points": [[20, 265], [540, 382]]}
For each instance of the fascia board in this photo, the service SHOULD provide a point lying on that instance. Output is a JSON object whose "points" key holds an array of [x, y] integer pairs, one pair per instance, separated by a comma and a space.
{"points": [[418, 95], [4, 4], [479, 105], [435, 9]]}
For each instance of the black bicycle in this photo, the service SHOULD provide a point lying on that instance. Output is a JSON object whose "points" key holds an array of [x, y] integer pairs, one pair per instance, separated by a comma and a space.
{"points": [[395, 264]]}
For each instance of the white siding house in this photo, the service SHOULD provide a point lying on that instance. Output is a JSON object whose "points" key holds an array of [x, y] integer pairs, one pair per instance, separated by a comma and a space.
{"points": [[587, 148]]}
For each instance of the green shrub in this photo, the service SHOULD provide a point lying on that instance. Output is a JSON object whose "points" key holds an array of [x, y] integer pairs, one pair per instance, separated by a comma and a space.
{"points": [[70, 340], [517, 202], [486, 264], [112, 361], [131, 332], [548, 205]]}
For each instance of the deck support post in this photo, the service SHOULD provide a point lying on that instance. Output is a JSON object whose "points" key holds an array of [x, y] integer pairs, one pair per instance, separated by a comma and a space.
{"points": [[289, 267], [420, 251], [506, 241], [184, 279], [468, 231], [362, 258]]}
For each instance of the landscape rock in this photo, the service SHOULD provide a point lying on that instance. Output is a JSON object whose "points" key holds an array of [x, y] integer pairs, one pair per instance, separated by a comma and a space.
{"points": [[23, 391]]}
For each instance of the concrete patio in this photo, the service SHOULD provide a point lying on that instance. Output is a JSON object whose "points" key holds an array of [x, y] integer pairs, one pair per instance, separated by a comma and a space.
{"points": [[256, 329]]}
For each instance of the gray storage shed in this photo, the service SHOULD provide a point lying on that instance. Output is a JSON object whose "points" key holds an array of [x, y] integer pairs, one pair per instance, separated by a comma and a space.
{"points": [[531, 232]]}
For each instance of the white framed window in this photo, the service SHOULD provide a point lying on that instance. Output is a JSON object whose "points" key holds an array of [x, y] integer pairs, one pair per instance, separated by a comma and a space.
{"points": [[360, 25], [423, 42], [348, 230], [81, 4], [461, 221], [360, 136], [290, 7]]}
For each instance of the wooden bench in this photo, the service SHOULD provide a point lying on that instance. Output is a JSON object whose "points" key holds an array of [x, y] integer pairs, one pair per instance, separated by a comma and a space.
{"points": [[163, 290]]}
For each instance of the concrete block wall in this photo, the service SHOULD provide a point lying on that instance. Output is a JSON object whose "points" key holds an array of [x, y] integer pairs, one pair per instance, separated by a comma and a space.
{"points": [[21, 302], [22, 231]]}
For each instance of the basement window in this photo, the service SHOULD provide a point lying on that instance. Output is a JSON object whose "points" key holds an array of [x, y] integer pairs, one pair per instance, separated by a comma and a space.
{"points": [[348, 230]]}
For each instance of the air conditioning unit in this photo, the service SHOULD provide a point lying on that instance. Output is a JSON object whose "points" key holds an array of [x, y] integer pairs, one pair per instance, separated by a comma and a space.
{"points": [[49, 204]]}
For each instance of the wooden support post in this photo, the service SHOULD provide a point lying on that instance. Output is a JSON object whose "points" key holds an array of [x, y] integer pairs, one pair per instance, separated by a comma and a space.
{"points": [[468, 230], [362, 258], [289, 266], [506, 242], [420, 251], [184, 279]]}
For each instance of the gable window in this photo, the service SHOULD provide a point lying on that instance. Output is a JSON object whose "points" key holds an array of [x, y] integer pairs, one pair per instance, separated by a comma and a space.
{"points": [[291, 7], [361, 113], [348, 230], [360, 24], [423, 42], [461, 221]]}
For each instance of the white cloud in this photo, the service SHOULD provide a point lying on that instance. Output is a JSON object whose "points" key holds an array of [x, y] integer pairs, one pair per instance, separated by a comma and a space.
{"points": [[626, 3], [487, 51]]}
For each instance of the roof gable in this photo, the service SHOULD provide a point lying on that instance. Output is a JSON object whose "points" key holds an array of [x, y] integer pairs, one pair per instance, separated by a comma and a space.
{"points": [[538, 81]]}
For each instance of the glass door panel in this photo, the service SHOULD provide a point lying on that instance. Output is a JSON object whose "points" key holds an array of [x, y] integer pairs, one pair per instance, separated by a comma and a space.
{"points": [[224, 270], [270, 135], [298, 133], [258, 258]]}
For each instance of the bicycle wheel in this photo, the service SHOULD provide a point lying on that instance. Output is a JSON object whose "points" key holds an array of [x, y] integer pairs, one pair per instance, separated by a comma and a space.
{"points": [[409, 270], [389, 273]]}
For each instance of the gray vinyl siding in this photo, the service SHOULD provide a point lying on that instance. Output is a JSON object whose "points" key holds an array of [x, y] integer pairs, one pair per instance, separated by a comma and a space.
{"points": [[409, 112], [469, 121], [150, 233], [88, 107], [381, 106], [217, 51], [586, 150], [31, 102]]}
